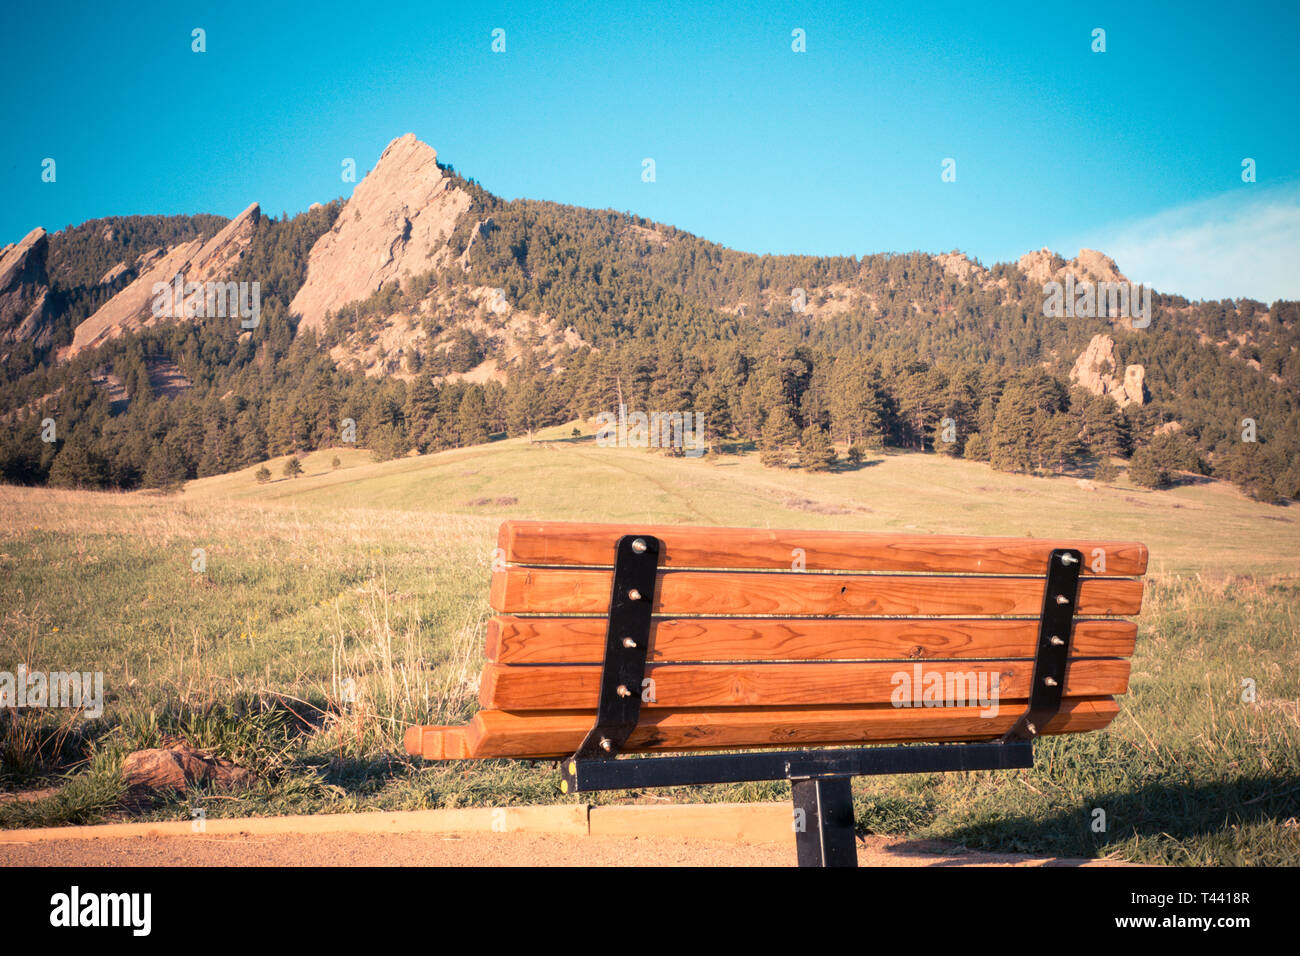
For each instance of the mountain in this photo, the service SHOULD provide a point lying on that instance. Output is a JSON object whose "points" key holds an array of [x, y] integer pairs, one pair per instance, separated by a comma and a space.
{"points": [[25, 307], [431, 313], [197, 261], [395, 227]]}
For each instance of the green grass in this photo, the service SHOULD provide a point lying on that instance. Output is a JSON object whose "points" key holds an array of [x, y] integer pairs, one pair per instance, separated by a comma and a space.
{"points": [[372, 578]]}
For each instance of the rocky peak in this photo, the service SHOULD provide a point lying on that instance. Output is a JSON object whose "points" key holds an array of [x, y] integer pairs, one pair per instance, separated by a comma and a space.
{"points": [[1089, 265], [24, 291], [197, 261], [959, 266], [1096, 368], [395, 227]]}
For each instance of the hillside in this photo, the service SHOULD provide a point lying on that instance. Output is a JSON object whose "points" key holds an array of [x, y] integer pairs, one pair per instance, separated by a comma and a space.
{"points": [[1206, 526], [432, 314], [374, 576]]}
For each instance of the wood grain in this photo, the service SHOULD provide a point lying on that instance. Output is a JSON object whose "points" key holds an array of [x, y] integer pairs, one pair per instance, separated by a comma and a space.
{"points": [[573, 591], [578, 640], [546, 687], [437, 743], [578, 543], [495, 733]]}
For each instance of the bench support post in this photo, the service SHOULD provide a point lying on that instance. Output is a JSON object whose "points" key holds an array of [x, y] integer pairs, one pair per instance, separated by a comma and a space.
{"points": [[823, 821]]}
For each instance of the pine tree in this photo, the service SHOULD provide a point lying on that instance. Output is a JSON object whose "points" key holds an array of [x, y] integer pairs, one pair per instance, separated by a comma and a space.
{"points": [[1011, 446], [816, 453], [78, 465], [471, 419], [779, 438], [1145, 471], [976, 448], [523, 405], [422, 412], [166, 466], [1103, 427]]}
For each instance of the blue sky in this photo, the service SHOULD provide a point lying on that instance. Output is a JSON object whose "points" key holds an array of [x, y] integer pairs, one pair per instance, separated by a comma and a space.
{"points": [[837, 150]]}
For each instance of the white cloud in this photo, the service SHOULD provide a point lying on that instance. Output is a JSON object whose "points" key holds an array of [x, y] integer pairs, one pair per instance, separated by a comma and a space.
{"points": [[1242, 244]]}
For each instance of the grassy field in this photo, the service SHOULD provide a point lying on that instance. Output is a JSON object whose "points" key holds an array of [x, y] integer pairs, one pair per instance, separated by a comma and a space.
{"points": [[336, 608]]}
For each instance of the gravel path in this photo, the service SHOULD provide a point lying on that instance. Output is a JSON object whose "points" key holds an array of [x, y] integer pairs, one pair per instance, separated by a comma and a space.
{"points": [[471, 849]]}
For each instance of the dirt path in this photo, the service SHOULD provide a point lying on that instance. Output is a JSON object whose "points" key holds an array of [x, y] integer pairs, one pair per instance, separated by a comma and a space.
{"points": [[472, 849]]}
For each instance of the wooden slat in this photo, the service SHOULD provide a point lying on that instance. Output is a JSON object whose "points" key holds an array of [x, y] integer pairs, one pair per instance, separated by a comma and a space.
{"points": [[547, 687], [577, 640], [496, 733], [564, 591], [576, 543], [437, 743]]}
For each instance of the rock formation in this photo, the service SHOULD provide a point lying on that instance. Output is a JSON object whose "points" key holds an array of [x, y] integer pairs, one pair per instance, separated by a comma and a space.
{"points": [[202, 262], [956, 264], [394, 227], [24, 291], [1090, 265], [112, 273], [1095, 370]]}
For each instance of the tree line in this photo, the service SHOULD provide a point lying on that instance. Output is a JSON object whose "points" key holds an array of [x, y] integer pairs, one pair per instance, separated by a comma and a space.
{"points": [[920, 361]]}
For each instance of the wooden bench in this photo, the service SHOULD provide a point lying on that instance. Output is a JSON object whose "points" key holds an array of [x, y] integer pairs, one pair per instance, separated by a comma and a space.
{"points": [[624, 639]]}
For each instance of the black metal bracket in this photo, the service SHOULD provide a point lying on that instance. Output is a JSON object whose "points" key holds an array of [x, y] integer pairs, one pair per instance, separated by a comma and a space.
{"points": [[1052, 656], [627, 639]]}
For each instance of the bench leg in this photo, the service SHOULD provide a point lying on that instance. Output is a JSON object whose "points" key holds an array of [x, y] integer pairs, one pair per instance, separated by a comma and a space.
{"points": [[823, 821]]}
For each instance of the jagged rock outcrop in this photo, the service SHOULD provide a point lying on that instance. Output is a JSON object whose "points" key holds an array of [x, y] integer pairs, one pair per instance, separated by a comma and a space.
{"points": [[1090, 265], [956, 264], [145, 258], [1095, 370], [112, 273], [395, 226], [480, 229], [25, 291], [197, 261]]}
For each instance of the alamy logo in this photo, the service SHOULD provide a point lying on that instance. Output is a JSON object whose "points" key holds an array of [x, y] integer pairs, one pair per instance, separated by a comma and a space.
{"points": [[922, 688], [1090, 300], [69, 690], [681, 431], [75, 908], [208, 300]]}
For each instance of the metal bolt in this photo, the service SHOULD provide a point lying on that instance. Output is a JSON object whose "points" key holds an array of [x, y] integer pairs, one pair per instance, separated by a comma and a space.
{"points": [[606, 744], [1056, 641], [1031, 728], [1062, 599], [628, 642], [1049, 681], [1069, 559], [634, 595], [623, 691], [638, 545]]}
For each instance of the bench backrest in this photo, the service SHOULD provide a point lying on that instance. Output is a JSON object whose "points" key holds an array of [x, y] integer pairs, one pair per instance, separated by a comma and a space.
{"points": [[792, 638]]}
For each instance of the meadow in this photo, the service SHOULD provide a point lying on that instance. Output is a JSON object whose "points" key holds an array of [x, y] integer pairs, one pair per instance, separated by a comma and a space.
{"points": [[298, 626]]}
